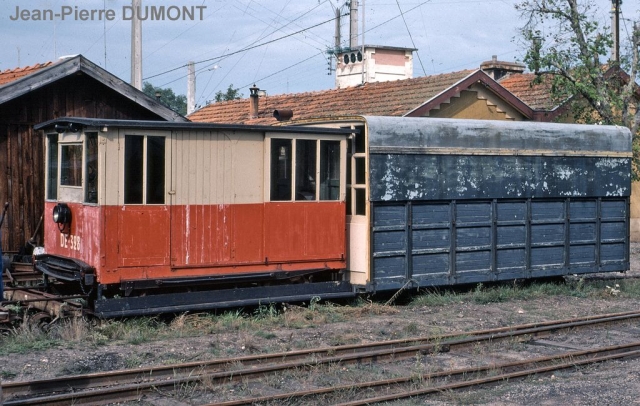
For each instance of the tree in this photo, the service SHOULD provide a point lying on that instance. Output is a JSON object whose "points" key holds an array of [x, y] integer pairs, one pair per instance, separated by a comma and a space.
{"points": [[230, 94], [177, 103], [571, 50]]}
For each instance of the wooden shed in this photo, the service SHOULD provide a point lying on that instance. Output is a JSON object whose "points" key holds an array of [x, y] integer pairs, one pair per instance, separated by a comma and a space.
{"points": [[72, 86]]}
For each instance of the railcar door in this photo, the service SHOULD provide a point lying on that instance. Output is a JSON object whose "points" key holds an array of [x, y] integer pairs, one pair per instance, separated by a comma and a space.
{"points": [[144, 215]]}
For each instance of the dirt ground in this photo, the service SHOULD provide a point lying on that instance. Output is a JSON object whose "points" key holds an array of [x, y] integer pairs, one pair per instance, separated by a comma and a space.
{"points": [[606, 384]]}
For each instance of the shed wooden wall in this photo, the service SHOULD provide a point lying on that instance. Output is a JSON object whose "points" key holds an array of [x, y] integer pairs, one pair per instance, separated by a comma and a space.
{"points": [[22, 148]]}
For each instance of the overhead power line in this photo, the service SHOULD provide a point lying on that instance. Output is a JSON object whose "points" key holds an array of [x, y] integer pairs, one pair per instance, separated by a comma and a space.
{"points": [[243, 49]]}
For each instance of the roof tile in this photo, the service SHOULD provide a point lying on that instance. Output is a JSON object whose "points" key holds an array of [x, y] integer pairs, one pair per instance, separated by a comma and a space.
{"points": [[10, 75], [394, 98]]}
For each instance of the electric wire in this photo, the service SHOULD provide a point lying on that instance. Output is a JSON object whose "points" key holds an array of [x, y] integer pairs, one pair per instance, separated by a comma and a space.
{"points": [[243, 49], [410, 36]]}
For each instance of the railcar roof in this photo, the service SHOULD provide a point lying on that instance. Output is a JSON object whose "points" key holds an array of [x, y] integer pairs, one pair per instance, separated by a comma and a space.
{"points": [[407, 132], [168, 125]]}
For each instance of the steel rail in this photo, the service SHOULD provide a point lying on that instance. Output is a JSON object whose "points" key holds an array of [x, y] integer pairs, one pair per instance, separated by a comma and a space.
{"points": [[618, 351], [166, 376]]}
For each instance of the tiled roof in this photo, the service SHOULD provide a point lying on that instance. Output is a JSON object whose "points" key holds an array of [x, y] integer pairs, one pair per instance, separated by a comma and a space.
{"points": [[394, 98], [535, 95], [10, 75]]}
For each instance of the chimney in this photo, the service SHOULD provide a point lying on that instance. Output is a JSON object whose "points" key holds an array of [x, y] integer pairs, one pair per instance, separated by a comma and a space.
{"points": [[498, 69], [253, 101]]}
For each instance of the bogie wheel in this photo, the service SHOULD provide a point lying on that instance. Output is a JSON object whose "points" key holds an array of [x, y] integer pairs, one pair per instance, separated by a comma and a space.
{"points": [[40, 321]]}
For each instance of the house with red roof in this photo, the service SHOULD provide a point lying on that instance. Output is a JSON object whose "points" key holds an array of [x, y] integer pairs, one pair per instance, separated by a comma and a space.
{"points": [[69, 87]]}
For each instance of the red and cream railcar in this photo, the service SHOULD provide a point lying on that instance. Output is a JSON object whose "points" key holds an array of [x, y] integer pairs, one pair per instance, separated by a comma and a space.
{"points": [[154, 214]]}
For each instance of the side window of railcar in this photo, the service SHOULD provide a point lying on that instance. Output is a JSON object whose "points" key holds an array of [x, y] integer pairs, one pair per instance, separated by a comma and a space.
{"points": [[91, 168], [308, 168], [52, 169], [144, 168], [71, 165]]}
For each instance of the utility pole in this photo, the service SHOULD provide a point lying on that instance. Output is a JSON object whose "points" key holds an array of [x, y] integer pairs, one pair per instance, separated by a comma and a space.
{"points": [[353, 25], [615, 31], [136, 46], [191, 87]]}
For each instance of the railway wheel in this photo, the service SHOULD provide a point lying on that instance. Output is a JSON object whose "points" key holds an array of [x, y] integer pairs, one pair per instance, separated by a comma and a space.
{"points": [[40, 321]]}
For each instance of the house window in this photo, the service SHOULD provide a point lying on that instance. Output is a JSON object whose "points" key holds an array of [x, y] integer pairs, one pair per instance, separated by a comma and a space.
{"points": [[52, 169], [91, 168], [144, 169], [309, 168], [71, 165]]}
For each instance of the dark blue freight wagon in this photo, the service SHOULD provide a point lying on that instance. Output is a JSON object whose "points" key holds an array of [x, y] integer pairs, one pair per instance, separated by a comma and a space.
{"points": [[447, 201]]}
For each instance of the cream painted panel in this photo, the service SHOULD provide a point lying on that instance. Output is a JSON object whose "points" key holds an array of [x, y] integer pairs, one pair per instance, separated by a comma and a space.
{"points": [[358, 249], [218, 168], [112, 170]]}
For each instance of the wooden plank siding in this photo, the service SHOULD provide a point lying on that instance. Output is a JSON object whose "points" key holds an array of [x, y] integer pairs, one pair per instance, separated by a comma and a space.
{"points": [[22, 171]]}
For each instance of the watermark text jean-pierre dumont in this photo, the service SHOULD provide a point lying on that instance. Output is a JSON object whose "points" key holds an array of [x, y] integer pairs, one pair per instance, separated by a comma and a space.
{"points": [[127, 13]]}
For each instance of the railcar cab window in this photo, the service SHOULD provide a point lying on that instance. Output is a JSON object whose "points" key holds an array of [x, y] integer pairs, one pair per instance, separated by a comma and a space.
{"points": [[52, 167], [303, 170], [71, 165], [144, 169]]}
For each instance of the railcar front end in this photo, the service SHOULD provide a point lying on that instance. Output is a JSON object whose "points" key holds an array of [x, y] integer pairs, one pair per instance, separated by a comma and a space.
{"points": [[159, 217]]}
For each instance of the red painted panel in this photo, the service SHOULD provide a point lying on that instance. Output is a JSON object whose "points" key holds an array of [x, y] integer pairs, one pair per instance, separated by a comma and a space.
{"points": [[83, 241], [134, 242], [216, 234], [143, 235], [302, 231]]}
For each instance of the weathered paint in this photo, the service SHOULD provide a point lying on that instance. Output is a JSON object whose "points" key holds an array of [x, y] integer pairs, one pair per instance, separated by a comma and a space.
{"points": [[463, 201], [398, 177]]}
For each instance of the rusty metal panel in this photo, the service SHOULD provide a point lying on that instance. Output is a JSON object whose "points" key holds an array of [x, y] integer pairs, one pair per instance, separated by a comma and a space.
{"points": [[434, 243]]}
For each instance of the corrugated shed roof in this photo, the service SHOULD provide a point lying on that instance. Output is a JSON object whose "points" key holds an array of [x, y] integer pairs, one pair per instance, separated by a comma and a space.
{"points": [[535, 95], [394, 98]]}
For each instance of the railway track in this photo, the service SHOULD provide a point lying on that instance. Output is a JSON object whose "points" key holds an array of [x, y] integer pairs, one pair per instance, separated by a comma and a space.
{"points": [[99, 388]]}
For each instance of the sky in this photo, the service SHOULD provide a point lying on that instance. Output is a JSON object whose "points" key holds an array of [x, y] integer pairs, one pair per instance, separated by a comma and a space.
{"points": [[288, 39]]}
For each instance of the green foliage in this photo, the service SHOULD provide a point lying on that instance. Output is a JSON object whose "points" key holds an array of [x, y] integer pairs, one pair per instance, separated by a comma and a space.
{"points": [[230, 94], [569, 48], [177, 103]]}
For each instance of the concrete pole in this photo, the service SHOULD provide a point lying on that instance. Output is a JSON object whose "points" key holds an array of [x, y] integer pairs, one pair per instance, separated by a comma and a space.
{"points": [[615, 30], [191, 87], [336, 36], [136, 46], [353, 25]]}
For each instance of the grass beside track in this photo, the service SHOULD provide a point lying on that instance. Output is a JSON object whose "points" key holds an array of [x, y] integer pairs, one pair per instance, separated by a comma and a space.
{"points": [[261, 322]]}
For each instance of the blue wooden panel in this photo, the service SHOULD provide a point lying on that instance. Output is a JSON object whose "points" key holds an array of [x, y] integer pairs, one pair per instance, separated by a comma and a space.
{"points": [[510, 235], [613, 209], [612, 231], [547, 256], [385, 216], [519, 239], [390, 267], [430, 264], [547, 233], [581, 254], [553, 210], [612, 252], [582, 209], [385, 241], [473, 212], [473, 261], [473, 236], [431, 214], [511, 258], [431, 238], [511, 211], [582, 232]]}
